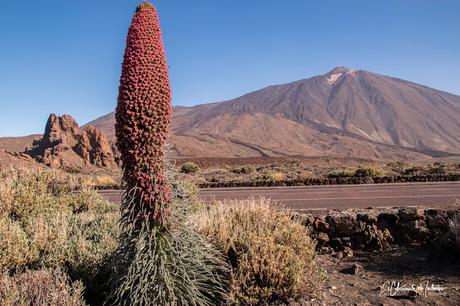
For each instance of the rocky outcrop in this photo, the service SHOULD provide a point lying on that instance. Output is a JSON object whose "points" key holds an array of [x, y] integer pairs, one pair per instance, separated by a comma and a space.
{"points": [[94, 147], [343, 232], [55, 147], [65, 145], [60, 130]]}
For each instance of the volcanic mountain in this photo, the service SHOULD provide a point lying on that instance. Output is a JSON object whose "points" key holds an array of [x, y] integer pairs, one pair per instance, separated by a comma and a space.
{"points": [[344, 112]]}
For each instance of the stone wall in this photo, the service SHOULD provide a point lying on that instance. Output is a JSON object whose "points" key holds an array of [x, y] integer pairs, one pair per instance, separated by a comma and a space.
{"points": [[343, 232], [337, 181]]}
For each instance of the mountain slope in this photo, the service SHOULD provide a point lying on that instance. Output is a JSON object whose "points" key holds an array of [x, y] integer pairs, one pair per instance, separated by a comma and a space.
{"points": [[18, 144], [344, 112]]}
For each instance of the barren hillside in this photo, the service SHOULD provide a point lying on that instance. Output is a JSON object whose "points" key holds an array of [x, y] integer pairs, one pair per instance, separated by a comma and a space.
{"points": [[344, 112]]}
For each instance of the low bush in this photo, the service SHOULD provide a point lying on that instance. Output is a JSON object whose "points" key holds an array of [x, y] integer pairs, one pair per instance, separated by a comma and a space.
{"points": [[270, 175], [41, 225], [24, 192], [396, 166], [368, 171], [40, 288], [363, 171], [247, 169], [415, 170], [271, 255], [44, 224], [276, 176], [218, 175], [303, 174], [438, 170], [103, 181], [189, 167], [341, 173]]}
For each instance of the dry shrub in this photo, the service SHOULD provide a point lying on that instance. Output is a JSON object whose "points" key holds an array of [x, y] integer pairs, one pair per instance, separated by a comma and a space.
{"points": [[14, 245], [218, 175], [28, 192], [271, 175], [39, 288], [276, 176], [189, 167], [189, 188], [45, 224], [246, 169], [48, 237], [271, 255], [341, 173], [304, 174], [362, 171], [86, 200], [368, 171], [415, 170], [93, 239], [103, 180]]}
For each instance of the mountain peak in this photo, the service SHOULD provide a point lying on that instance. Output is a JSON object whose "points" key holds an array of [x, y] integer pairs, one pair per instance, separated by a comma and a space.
{"points": [[335, 74], [343, 112], [337, 70]]}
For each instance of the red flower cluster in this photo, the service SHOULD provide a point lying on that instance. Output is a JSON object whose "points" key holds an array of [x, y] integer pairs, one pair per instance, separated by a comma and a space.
{"points": [[143, 114]]}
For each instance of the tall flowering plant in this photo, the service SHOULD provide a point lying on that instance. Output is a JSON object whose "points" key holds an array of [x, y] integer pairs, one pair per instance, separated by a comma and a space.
{"points": [[155, 263], [143, 118]]}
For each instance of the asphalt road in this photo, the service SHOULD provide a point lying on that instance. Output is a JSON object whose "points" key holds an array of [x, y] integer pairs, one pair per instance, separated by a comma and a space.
{"points": [[338, 196]]}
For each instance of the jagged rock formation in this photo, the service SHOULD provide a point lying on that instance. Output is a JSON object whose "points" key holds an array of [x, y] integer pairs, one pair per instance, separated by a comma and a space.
{"points": [[94, 147], [60, 130], [64, 144]]}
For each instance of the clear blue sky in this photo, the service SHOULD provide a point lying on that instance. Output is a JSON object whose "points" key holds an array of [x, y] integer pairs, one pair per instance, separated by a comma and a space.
{"points": [[65, 56]]}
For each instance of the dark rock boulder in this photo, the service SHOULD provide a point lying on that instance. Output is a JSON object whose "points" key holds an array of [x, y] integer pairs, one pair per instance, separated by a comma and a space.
{"points": [[341, 225], [321, 225], [407, 214], [416, 231], [437, 218], [368, 218], [355, 269], [389, 221]]}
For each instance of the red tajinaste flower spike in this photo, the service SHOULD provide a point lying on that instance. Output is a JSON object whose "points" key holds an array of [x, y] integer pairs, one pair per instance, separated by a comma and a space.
{"points": [[143, 115]]}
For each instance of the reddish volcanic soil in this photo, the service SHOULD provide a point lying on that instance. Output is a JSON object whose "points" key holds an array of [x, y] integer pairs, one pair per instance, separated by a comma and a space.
{"points": [[408, 266]]}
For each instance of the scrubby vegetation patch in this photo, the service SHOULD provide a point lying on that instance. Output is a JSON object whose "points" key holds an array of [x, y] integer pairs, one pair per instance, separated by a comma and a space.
{"points": [[50, 222], [272, 256]]}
